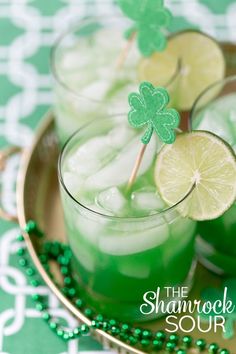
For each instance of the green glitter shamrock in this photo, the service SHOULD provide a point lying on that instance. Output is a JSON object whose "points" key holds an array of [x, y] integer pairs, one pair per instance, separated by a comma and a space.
{"points": [[149, 107], [150, 18], [214, 294]]}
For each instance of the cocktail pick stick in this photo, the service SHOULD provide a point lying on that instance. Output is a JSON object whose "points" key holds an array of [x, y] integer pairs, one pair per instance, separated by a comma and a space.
{"points": [[136, 166], [125, 51], [148, 107]]}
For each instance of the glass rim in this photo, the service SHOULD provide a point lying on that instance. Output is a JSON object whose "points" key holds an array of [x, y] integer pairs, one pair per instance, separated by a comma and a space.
{"points": [[94, 212], [75, 26], [224, 81], [72, 28]]}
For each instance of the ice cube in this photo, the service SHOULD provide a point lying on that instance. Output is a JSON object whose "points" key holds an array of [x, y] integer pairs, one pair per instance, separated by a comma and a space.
{"points": [[127, 244], [118, 171], [88, 158], [120, 135], [147, 199], [137, 270], [112, 200], [96, 90]]}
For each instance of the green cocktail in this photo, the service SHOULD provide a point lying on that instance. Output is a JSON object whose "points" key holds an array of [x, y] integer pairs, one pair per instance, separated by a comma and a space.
{"points": [[124, 243], [88, 82], [215, 111]]}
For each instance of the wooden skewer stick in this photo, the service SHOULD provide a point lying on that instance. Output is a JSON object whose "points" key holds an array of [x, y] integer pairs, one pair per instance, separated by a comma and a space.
{"points": [[125, 51], [136, 166]]}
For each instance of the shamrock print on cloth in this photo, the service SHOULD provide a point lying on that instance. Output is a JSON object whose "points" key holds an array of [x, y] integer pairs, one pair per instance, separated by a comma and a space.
{"points": [[149, 108], [213, 295], [150, 17]]}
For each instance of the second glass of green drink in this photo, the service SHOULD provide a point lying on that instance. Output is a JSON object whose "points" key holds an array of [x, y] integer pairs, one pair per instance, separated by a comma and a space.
{"points": [[215, 111], [124, 243]]}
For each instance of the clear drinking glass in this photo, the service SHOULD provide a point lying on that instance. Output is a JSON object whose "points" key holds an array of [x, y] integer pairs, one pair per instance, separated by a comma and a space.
{"points": [[118, 257], [87, 81], [215, 111], [83, 64]]}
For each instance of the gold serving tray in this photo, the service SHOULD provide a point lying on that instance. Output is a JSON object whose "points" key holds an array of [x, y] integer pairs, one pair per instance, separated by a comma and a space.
{"points": [[38, 199]]}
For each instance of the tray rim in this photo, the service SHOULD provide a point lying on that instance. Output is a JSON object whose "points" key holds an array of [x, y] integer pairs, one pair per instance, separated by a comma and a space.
{"points": [[47, 120]]}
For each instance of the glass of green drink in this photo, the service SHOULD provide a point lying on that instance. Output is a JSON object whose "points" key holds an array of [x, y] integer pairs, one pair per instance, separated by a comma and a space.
{"points": [[215, 111], [124, 243], [83, 63]]}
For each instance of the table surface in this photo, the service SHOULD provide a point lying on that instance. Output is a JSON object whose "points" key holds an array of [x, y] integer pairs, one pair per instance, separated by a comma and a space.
{"points": [[28, 28]]}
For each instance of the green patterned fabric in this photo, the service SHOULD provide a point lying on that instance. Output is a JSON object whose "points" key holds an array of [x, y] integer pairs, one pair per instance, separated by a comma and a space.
{"points": [[27, 31]]}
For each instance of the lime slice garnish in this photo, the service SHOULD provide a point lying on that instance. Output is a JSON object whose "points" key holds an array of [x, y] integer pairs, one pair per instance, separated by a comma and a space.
{"points": [[201, 64], [205, 161]]}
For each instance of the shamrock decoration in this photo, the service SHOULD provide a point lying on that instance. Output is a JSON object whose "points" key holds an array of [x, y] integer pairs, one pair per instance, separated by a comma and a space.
{"points": [[149, 107], [150, 18], [213, 295]]}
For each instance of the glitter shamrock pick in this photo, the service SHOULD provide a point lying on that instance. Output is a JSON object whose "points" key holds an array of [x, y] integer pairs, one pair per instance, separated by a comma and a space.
{"points": [[150, 17], [149, 107]]}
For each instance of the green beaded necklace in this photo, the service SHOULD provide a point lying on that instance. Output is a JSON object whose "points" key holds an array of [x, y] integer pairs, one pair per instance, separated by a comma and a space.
{"points": [[143, 338]]}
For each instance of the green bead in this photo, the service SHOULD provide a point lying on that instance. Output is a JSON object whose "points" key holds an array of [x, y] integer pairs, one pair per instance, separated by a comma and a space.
{"points": [[20, 238], [157, 344], [34, 282], [43, 258], [23, 262], [105, 326], [67, 280], [30, 272], [66, 336], [187, 341], [213, 348], [53, 325], [201, 344], [68, 253], [224, 351], [64, 270], [125, 328], [170, 346], [88, 313], [84, 329], [46, 316], [132, 340], [71, 335], [113, 322], [115, 330], [63, 260], [36, 297], [21, 251], [30, 226], [181, 351], [138, 332], [55, 250], [94, 324], [160, 335], [39, 306], [146, 334], [79, 303], [145, 342], [174, 338], [77, 332], [71, 292], [60, 332], [99, 318]]}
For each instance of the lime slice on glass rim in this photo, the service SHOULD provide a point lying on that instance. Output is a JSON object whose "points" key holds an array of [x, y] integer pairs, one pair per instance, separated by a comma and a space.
{"points": [[192, 58], [203, 162]]}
